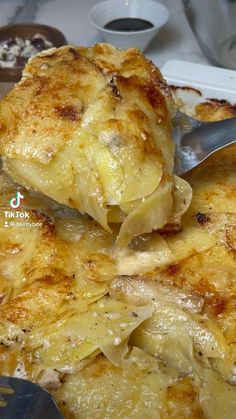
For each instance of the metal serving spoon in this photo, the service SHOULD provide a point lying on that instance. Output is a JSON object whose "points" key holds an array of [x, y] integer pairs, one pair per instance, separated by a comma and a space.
{"points": [[22, 399], [196, 140]]}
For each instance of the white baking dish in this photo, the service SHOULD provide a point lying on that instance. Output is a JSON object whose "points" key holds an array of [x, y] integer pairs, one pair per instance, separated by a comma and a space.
{"points": [[198, 83]]}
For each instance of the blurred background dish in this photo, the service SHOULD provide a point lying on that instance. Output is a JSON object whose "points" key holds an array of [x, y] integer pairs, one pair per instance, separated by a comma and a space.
{"points": [[128, 23], [174, 41], [19, 42], [214, 24]]}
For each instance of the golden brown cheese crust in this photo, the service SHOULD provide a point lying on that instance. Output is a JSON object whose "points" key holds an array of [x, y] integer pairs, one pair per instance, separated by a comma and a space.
{"points": [[215, 110]]}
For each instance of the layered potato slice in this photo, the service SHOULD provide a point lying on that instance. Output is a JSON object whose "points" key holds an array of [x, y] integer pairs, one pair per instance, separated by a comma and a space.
{"points": [[91, 128]]}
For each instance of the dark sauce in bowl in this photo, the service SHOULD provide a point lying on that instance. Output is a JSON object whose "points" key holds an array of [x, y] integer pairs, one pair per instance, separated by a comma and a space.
{"points": [[128, 24]]}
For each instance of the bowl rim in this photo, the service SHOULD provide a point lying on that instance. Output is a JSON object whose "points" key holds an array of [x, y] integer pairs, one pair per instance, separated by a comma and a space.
{"points": [[125, 33], [33, 25]]}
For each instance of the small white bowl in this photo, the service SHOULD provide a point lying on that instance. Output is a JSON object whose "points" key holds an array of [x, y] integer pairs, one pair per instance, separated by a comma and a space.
{"points": [[110, 10]]}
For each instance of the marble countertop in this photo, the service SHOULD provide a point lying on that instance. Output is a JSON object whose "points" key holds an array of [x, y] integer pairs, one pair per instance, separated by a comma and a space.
{"points": [[174, 41]]}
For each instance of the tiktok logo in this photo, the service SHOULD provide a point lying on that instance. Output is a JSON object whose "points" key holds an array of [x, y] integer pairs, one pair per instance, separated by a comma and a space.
{"points": [[16, 200]]}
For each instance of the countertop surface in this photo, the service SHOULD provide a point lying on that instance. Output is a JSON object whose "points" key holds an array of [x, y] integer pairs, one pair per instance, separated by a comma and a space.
{"points": [[174, 41]]}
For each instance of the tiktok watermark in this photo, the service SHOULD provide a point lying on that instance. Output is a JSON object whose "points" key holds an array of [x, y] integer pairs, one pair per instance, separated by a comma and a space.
{"points": [[18, 218], [15, 202]]}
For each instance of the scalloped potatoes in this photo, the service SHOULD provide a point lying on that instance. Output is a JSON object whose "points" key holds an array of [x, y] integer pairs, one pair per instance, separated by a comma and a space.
{"points": [[91, 128], [143, 331], [160, 343]]}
